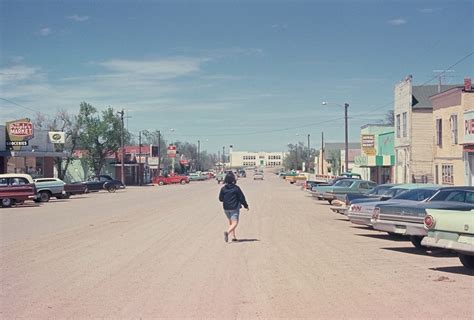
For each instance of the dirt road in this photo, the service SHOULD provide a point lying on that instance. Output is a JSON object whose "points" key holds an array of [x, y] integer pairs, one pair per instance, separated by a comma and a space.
{"points": [[158, 252]]}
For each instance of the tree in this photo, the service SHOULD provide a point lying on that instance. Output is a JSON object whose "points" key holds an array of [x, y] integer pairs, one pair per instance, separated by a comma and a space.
{"points": [[390, 117], [297, 154], [67, 123], [100, 136]]}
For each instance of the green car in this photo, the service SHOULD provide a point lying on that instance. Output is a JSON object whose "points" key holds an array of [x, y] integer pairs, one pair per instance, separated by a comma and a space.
{"points": [[451, 229]]}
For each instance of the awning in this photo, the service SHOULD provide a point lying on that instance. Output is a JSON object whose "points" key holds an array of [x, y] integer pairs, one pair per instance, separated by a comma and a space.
{"points": [[468, 148]]}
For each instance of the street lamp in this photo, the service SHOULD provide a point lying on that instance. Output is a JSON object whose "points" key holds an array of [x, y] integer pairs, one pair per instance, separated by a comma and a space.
{"points": [[346, 142], [122, 165]]}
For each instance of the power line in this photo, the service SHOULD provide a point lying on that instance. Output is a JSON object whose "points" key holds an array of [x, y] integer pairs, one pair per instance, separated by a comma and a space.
{"points": [[424, 83], [17, 104]]}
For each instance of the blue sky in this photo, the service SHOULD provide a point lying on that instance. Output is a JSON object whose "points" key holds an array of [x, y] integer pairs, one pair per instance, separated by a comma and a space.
{"points": [[248, 73]]}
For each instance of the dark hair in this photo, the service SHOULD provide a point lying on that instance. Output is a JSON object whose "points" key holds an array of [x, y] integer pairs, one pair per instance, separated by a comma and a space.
{"points": [[229, 178]]}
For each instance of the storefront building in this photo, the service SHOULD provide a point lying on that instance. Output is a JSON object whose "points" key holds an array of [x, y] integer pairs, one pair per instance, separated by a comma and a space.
{"points": [[377, 160], [453, 146], [468, 146], [34, 154]]}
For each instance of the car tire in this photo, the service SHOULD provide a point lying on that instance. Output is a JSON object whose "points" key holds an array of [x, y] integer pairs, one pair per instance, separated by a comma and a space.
{"points": [[44, 196], [160, 183], [111, 189], [182, 181], [467, 260], [67, 195], [330, 201], [416, 241], [7, 202]]}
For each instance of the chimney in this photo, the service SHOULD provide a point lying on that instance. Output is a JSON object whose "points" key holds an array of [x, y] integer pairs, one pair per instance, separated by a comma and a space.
{"points": [[467, 84]]}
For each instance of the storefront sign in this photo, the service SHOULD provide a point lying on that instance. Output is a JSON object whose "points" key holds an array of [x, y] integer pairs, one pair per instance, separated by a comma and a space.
{"points": [[184, 162], [368, 144], [18, 133], [171, 151], [57, 137], [469, 127]]}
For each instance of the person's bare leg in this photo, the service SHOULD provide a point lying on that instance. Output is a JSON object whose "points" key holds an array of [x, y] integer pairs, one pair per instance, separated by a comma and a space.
{"points": [[232, 227], [233, 232]]}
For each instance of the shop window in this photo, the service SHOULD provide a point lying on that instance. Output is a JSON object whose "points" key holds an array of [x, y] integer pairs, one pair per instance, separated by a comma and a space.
{"points": [[398, 125], [439, 132], [447, 174], [453, 121], [405, 125]]}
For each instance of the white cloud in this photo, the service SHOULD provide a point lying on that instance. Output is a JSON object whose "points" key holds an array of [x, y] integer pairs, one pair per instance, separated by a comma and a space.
{"points": [[44, 32], [397, 22], [429, 10], [162, 68], [18, 73], [78, 18]]}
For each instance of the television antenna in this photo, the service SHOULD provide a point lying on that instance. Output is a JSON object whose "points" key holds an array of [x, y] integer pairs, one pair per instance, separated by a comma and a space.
{"points": [[442, 75]]}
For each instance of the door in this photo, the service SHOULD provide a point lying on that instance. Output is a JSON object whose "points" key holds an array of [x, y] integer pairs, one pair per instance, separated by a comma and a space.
{"points": [[471, 167]]}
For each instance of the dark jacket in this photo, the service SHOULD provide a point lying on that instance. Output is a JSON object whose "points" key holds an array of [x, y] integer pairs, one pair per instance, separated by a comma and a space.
{"points": [[232, 197]]}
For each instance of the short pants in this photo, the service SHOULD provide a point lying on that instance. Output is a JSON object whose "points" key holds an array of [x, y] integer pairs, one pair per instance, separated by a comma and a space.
{"points": [[232, 214]]}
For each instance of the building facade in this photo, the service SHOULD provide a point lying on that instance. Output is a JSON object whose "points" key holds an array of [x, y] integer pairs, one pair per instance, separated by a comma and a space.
{"points": [[36, 158], [453, 111], [377, 159], [414, 131], [468, 143], [239, 159]]}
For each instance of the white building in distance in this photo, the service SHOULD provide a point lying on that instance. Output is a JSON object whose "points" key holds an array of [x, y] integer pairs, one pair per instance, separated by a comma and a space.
{"points": [[252, 159]]}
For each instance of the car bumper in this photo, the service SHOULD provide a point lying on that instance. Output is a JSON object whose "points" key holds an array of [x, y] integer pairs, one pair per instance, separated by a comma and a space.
{"points": [[339, 209], [329, 196], [466, 245], [360, 218], [406, 229]]}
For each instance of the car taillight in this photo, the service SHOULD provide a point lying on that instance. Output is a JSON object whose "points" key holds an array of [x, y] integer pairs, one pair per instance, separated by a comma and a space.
{"points": [[429, 222], [376, 214]]}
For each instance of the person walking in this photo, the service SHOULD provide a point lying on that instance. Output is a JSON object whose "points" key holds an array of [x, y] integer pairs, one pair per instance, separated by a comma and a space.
{"points": [[232, 199]]}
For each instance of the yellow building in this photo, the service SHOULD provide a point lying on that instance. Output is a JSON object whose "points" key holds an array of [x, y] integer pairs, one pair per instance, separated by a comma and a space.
{"points": [[452, 164]]}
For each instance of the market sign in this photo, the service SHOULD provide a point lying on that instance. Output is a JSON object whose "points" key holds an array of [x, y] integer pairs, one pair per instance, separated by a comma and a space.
{"points": [[368, 144], [18, 133], [469, 127], [171, 151]]}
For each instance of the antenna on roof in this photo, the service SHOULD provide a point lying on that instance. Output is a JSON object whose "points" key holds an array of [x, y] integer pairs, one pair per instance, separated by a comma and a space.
{"points": [[441, 74]]}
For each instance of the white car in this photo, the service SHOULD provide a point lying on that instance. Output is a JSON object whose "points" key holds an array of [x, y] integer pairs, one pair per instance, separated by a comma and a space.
{"points": [[258, 176]]}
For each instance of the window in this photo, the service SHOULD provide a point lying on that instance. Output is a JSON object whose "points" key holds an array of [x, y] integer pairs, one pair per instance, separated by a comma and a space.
{"points": [[398, 125], [447, 174], [439, 132], [404, 124], [453, 122]]}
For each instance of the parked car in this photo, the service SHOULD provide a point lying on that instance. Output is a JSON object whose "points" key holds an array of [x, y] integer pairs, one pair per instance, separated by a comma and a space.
{"points": [[258, 176], [16, 188], [341, 188], [452, 230], [197, 176], [361, 211], [220, 177], [170, 179], [375, 194], [299, 177], [71, 189], [103, 182], [408, 219], [49, 187]]}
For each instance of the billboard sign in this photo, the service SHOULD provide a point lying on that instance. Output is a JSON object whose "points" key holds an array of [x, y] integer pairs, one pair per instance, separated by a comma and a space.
{"points": [[469, 127], [368, 144], [18, 133], [57, 137], [171, 151]]}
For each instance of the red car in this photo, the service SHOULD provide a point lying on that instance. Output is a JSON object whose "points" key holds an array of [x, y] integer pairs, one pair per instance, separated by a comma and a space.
{"points": [[16, 188], [169, 179]]}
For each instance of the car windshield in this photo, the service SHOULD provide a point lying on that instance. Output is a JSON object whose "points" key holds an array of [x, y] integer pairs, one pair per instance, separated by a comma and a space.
{"points": [[454, 195], [392, 192], [416, 194], [344, 183], [379, 190]]}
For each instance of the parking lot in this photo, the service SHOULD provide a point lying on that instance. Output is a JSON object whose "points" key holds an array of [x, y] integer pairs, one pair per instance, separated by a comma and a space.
{"points": [[156, 252]]}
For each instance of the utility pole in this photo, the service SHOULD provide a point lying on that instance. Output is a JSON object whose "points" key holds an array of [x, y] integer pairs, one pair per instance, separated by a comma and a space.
{"points": [[346, 169], [159, 152], [223, 157], [309, 154], [198, 158], [322, 153], [122, 169], [139, 158]]}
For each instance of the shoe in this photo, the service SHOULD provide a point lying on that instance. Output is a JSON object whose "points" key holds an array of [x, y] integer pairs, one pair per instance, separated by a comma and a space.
{"points": [[235, 240], [226, 236]]}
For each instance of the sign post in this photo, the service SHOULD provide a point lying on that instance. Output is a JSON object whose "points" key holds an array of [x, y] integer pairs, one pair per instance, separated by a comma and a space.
{"points": [[171, 153]]}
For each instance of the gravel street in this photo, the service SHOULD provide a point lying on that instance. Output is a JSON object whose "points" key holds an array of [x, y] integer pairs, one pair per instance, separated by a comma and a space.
{"points": [[159, 252]]}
